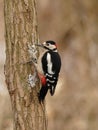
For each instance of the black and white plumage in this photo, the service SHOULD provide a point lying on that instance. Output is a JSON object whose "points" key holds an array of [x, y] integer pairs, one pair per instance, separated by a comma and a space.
{"points": [[51, 64]]}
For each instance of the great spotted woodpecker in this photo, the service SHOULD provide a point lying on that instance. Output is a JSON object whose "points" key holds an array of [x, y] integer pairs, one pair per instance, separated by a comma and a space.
{"points": [[51, 64]]}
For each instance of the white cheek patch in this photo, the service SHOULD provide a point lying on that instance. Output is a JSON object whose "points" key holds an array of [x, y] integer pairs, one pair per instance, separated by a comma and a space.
{"points": [[49, 64], [52, 47]]}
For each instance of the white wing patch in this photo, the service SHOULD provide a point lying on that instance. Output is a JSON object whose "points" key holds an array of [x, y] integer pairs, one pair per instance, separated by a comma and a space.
{"points": [[49, 64]]}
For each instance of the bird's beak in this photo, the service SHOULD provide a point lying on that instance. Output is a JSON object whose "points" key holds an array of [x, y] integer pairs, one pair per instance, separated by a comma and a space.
{"points": [[40, 45]]}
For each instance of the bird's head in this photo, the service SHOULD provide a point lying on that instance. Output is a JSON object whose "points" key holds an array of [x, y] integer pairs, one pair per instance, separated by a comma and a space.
{"points": [[50, 45]]}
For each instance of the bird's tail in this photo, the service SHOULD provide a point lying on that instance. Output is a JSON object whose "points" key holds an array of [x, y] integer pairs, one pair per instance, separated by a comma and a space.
{"points": [[44, 88], [42, 93]]}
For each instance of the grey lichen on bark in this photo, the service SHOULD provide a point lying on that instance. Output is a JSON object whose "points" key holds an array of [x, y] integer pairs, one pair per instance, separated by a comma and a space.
{"points": [[21, 29]]}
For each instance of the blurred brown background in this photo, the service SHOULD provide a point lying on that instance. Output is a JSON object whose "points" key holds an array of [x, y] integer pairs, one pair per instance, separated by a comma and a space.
{"points": [[73, 24]]}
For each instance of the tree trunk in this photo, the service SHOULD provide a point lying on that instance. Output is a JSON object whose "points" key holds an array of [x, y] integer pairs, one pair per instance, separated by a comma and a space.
{"points": [[21, 29]]}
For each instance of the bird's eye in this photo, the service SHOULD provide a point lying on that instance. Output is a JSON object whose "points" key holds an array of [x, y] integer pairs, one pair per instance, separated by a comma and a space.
{"points": [[47, 44]]}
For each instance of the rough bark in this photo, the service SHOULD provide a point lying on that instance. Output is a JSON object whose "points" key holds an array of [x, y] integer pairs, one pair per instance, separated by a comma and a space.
{"points": [[21, 28]]}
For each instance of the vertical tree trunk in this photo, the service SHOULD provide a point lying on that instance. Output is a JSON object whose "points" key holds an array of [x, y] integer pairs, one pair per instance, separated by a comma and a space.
{"points": [[21, 28]]}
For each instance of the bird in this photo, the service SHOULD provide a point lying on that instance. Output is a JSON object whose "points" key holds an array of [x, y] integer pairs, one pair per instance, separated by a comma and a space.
{"points": [[51, 65]]}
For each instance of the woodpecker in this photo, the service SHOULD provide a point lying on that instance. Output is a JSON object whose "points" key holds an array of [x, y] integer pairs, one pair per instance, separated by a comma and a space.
{"points": [[51, 65]]}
